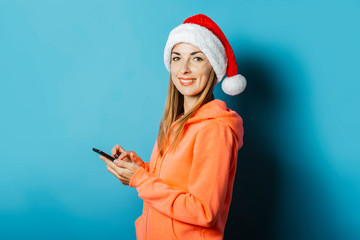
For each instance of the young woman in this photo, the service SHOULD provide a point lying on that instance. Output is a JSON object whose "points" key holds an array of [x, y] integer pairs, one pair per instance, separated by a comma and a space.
{"points": [[187, 186]]}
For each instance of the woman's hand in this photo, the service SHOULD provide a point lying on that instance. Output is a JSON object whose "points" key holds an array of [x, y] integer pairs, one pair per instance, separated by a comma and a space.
{"points": [[125, 166], [117, 150]]}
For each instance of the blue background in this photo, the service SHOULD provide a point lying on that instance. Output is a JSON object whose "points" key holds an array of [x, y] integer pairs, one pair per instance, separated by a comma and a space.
{"points": [[81, 74]]}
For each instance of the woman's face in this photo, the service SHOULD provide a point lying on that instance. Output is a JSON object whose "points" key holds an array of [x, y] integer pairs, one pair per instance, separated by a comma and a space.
{"points": [[190, 69]]}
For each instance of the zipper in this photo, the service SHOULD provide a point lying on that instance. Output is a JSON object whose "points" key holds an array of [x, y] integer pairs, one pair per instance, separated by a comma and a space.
{"points": [[160, 162], [167, 149]]}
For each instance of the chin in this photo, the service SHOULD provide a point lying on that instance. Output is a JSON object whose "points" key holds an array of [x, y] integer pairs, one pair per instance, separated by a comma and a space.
{"points": [[189, 94], [188, 91]]}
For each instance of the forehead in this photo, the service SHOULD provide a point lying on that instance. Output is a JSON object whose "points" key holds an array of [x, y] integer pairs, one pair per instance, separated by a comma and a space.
{"points": [[185, 47]]}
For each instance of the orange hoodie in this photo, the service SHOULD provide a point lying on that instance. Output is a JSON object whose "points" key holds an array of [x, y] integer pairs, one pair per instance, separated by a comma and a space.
{"points": [[187, 192]]}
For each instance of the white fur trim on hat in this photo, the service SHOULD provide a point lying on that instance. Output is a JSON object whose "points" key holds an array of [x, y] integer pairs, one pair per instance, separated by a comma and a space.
{"points": [[233, 85], [202, 38]]}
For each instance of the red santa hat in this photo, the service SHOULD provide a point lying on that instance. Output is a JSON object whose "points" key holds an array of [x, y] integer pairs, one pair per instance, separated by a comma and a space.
{"points": [[204, 33]]}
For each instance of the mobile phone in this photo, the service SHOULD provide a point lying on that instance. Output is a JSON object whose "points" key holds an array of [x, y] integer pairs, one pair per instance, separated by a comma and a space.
{"points": [[103, 154]]}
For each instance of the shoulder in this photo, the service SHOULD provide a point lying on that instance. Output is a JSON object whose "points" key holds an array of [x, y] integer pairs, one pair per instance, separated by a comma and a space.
{"points": [[214, 134], [214, 126], [214, 123]]}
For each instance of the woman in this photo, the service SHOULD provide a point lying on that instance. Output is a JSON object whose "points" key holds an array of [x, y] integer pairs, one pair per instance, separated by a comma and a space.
{"points": [[187, 185]]}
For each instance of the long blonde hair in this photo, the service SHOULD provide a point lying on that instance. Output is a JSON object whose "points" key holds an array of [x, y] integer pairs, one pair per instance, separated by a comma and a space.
{"points": [[174, 107]]}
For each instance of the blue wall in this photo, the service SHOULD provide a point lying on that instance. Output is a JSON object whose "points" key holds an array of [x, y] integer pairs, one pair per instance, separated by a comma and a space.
{"points": [[81, 74]]}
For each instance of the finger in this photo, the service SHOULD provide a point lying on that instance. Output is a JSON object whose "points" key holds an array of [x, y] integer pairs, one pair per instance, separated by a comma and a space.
{"points": [[116, 174], [123, 175], [136, 159], [121, 163], [108, 162], [117, 150], [110, 169], [134, 156], [127, 173], [125, 156], [105, 159], [123, 172]]}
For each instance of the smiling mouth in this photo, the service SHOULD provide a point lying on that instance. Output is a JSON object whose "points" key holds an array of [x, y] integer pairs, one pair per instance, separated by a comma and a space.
{"points": [[186, 81]]}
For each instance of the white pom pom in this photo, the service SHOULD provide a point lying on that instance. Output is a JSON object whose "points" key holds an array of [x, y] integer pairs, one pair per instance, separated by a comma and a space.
{"points": [[234, 85]]}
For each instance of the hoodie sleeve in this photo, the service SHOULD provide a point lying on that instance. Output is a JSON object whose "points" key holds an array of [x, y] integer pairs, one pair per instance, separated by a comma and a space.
{"points": [[214, 156]]}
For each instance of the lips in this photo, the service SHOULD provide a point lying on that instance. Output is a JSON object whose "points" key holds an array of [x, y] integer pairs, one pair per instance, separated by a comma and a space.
{"points": [[186, 81]]}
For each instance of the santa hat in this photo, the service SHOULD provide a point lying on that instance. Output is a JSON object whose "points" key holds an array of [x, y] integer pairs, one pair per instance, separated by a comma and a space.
{"points": [[204, 33]]}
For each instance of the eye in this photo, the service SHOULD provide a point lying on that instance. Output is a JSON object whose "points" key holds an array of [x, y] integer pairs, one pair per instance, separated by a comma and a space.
{"points": [[198, 59], [175, 58]]}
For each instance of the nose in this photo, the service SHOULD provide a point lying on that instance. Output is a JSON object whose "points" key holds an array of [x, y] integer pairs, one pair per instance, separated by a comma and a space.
{"points": [[185, 68]]}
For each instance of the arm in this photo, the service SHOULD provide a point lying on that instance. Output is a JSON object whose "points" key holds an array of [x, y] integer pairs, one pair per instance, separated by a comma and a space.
{"points": [[208, 181]]}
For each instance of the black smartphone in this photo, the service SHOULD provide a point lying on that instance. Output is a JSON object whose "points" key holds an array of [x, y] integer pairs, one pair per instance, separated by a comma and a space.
{"points": [[104, 154]]}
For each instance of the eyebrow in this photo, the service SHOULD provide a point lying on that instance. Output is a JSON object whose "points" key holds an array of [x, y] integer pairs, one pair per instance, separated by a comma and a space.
{"points": [[193, 53]]}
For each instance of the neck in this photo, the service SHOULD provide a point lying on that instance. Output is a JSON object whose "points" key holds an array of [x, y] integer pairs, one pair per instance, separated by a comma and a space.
{"points": [[189, 103]]}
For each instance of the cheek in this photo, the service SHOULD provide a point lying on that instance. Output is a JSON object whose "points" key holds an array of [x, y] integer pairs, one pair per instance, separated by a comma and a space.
{"points": [[203, 69], [173, 70], [205, 76], [174, 79]]}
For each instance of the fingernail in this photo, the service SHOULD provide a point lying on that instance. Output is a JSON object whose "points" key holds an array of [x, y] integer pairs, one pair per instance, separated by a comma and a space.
{"points": [[116, 161]]}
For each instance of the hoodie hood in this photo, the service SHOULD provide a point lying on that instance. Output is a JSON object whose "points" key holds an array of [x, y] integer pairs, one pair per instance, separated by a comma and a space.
{"points": [[218, 109]]}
